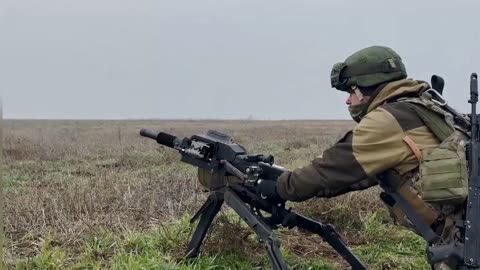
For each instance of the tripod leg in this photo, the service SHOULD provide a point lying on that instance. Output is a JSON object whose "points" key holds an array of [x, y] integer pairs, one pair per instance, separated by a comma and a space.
{"points": [[207, 213], [263, 231], [328, 233], [274, 254]]}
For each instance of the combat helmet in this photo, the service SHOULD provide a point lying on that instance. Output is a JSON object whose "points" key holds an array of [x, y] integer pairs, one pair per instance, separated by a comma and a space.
{"points": [[368, 67]]}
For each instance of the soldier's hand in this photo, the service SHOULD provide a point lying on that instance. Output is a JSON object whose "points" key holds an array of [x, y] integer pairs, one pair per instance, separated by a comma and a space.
{"points": [[267, 190]]}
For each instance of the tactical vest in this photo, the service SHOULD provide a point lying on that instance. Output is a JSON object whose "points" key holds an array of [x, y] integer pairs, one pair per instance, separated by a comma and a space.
{"points": [[441, 178]]}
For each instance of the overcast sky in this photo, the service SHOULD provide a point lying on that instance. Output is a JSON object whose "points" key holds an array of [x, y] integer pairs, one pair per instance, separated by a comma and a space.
{"points": [[119, 59]]}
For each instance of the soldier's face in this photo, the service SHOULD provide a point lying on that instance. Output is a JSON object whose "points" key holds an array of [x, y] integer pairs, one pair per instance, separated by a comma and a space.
{"points": [[353, 99], [356, 97]]}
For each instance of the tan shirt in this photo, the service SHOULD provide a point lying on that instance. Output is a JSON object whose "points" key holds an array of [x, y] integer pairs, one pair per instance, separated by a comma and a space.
{"points": [[375, 145]]}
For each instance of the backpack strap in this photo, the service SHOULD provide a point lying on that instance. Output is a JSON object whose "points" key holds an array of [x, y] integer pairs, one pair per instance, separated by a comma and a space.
{"points": [[435, 122]]}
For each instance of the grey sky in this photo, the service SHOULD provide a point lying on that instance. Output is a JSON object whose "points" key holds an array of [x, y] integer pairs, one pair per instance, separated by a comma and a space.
{"points": [[217, 59]]}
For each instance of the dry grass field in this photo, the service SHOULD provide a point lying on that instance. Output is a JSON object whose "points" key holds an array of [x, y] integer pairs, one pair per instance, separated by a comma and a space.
{"points": [[96, 195]]}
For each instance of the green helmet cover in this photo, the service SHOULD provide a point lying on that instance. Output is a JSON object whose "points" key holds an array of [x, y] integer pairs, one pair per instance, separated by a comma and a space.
{"points": [[368, 67]]}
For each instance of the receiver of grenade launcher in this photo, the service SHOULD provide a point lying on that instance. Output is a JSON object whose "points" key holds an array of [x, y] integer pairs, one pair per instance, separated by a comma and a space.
{"points": [[217, 151]]}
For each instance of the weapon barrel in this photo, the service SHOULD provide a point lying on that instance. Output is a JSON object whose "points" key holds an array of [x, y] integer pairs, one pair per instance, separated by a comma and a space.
{"points": [[161, 137], [148, 133]]}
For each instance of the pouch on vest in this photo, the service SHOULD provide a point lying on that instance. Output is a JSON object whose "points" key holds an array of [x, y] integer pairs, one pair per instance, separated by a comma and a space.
{"points": [[443, 174]]}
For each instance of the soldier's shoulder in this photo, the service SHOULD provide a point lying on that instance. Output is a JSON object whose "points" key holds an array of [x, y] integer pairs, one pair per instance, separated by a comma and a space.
{"points": [[404, 114], [388, 118], [377, 117]]}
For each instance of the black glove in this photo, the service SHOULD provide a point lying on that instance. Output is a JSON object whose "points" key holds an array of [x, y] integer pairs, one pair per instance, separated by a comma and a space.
{"points": [[267, 190]]}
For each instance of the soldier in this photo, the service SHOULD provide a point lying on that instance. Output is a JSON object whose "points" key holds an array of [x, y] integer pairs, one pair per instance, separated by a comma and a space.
{"points": [[404, 140], [387, 143]]}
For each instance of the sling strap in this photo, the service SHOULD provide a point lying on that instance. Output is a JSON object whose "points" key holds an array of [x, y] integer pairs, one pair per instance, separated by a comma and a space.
{"points": [[420, 215]]}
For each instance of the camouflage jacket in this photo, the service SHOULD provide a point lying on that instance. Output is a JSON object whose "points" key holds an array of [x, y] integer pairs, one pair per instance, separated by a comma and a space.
{"points": [[373, 146]]}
